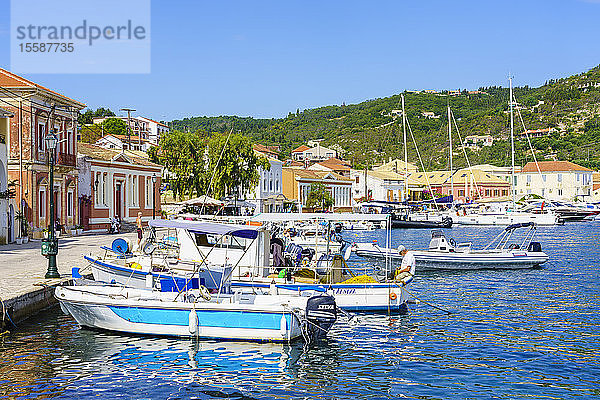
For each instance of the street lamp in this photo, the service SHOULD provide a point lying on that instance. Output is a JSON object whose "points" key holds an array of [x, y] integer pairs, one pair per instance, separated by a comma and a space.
{"points": [[153, 196], [50, 245]]}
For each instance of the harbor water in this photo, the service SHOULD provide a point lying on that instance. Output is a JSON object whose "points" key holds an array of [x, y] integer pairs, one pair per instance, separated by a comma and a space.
{"points": [[526, 334]]}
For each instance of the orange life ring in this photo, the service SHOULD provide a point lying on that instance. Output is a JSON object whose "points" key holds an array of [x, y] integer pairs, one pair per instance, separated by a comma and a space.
{"points": [[393, 296]]}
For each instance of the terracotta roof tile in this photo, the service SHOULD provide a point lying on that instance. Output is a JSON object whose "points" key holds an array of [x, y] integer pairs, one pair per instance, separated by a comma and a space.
{"points": [[554, 166], [10, 80], [301, 149], [103, 154]]}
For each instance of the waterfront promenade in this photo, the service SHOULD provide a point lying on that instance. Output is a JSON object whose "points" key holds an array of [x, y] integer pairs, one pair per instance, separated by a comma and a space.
{"points": [[23, 288]]}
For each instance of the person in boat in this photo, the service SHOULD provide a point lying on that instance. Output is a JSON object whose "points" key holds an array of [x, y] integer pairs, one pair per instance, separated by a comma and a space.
{"points": [[407, 265]]}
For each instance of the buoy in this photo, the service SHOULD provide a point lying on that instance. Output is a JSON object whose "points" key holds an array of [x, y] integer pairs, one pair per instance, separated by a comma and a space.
{"points": [[393, 296], [193, 322], [283, 326], [347, 253]]}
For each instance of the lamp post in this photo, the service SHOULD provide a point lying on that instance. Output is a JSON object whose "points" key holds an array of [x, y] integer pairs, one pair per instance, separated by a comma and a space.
{"points": [[50, 245], [153, 196]]}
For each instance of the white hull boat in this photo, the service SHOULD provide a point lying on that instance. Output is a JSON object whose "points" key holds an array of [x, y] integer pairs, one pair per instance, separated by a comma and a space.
{"points": [[262, 318], [508, 218], [445, 254]]}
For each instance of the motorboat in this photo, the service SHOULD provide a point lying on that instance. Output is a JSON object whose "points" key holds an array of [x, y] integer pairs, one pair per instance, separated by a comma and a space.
{"points": [[445, 254], [195, 313], [503, 214], [404, 218], [372, 250]]}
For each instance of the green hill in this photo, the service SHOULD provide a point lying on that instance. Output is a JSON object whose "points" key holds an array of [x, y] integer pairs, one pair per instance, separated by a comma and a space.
{"points": [[369, 132]]}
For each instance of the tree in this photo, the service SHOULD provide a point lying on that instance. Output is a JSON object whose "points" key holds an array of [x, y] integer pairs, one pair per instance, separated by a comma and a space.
{"points": [[183, 154], [319, 197], [87, 117], [114, 126], [233, 164]]}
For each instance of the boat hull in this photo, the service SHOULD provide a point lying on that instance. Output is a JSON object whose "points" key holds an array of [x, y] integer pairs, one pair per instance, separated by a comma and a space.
{"points": [[471, 261], [369, 297], [215, 321], [507, 219]]}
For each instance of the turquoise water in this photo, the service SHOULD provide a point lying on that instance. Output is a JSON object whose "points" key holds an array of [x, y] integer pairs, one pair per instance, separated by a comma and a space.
{"points": [[532, 334]]}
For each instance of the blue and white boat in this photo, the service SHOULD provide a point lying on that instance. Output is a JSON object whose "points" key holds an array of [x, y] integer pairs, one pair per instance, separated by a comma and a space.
{"points": [[195, 313]]}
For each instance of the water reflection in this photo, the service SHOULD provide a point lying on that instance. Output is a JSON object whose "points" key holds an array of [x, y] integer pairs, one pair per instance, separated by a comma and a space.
{"points": [[511, 334]]}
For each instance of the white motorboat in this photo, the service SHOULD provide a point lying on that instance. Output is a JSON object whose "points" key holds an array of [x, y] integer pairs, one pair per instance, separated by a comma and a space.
{"points": [[503, 214], [374, 251], [193, 313], [500, 253]]}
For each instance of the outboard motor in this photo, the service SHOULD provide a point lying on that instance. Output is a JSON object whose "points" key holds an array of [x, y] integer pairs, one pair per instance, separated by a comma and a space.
{"points": [[534, 247], [321, 313], [338, 227]]}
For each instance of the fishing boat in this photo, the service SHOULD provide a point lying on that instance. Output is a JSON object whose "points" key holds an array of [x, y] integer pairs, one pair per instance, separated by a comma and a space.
{"points": [[445, 254], [195, 313]]}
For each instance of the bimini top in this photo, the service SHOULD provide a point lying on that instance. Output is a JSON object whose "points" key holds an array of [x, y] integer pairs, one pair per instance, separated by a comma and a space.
{"points": [[243, 231], [519, 225]]}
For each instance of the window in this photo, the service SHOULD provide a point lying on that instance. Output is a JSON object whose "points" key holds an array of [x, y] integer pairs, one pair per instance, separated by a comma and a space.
{"points": [[560, 192], [496, 192], [69, 204], [487, 192], [544, 178], [461, 192], [528, 178], [41, 135], [505, 192], [105, 188], [96, 189], [148, 191], [577, 175], [42, 204], [560, 177], [70, 144]]}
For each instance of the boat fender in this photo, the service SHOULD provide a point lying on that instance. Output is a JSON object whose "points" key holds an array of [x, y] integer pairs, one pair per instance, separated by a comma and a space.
{"points": [[205, 293], [283, 326], [393, 296], [193, 322]]}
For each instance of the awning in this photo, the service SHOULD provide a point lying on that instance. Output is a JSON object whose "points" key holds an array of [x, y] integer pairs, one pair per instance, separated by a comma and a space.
{"points": [[202, 200], [283, 217], [243, 231]]}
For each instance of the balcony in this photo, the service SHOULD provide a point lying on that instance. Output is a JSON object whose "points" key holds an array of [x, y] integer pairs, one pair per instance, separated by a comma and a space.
{"points": [[66, 159]]}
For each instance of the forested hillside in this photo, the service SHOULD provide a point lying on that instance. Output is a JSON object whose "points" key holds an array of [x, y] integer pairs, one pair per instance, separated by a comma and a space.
{"points": [[371, 131]]}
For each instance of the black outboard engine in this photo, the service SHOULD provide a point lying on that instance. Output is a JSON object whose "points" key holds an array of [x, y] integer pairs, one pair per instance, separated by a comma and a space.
{"points": [[338, 227], [534, 247], [321, 313]]}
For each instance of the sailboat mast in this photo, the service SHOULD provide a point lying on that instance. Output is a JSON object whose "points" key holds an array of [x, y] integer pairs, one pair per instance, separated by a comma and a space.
{"points": [[512, 142], [405, 152], [451, 168]]}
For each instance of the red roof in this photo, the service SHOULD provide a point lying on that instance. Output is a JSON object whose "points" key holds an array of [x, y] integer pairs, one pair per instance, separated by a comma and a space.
{"points": [[10, 80], [156, 122], [301, 149], [554, 166], [264, 149], [335, 164]]}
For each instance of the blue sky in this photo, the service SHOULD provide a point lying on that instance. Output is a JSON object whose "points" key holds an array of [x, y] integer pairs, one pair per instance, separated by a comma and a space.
{"points": [[266, 58]]}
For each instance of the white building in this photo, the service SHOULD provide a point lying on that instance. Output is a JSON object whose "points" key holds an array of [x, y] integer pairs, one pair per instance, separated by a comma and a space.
{"points": [[119, 142], [502, 172], [141, 128], [156, 130], [267, 195], [381, 185], [313, 154], [555, 180], [475, 142]]}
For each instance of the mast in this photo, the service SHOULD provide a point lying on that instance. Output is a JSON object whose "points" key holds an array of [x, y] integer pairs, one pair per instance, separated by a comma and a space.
{"points": [[405, 152], [451, 169], [512, 142]]}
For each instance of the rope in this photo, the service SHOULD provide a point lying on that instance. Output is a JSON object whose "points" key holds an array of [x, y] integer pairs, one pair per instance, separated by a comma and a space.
{"points": [[423, 301], [528, 140], [462, 145], [5, 313]]}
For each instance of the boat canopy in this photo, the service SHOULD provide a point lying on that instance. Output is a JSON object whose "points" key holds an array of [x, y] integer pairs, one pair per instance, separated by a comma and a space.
{"points": [[283, 217], [243, 231], [519, 225]]}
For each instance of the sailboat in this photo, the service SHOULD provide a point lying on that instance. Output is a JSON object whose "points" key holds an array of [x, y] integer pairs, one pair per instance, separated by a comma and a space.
{"points": [[404, 217], [508, 215]]}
